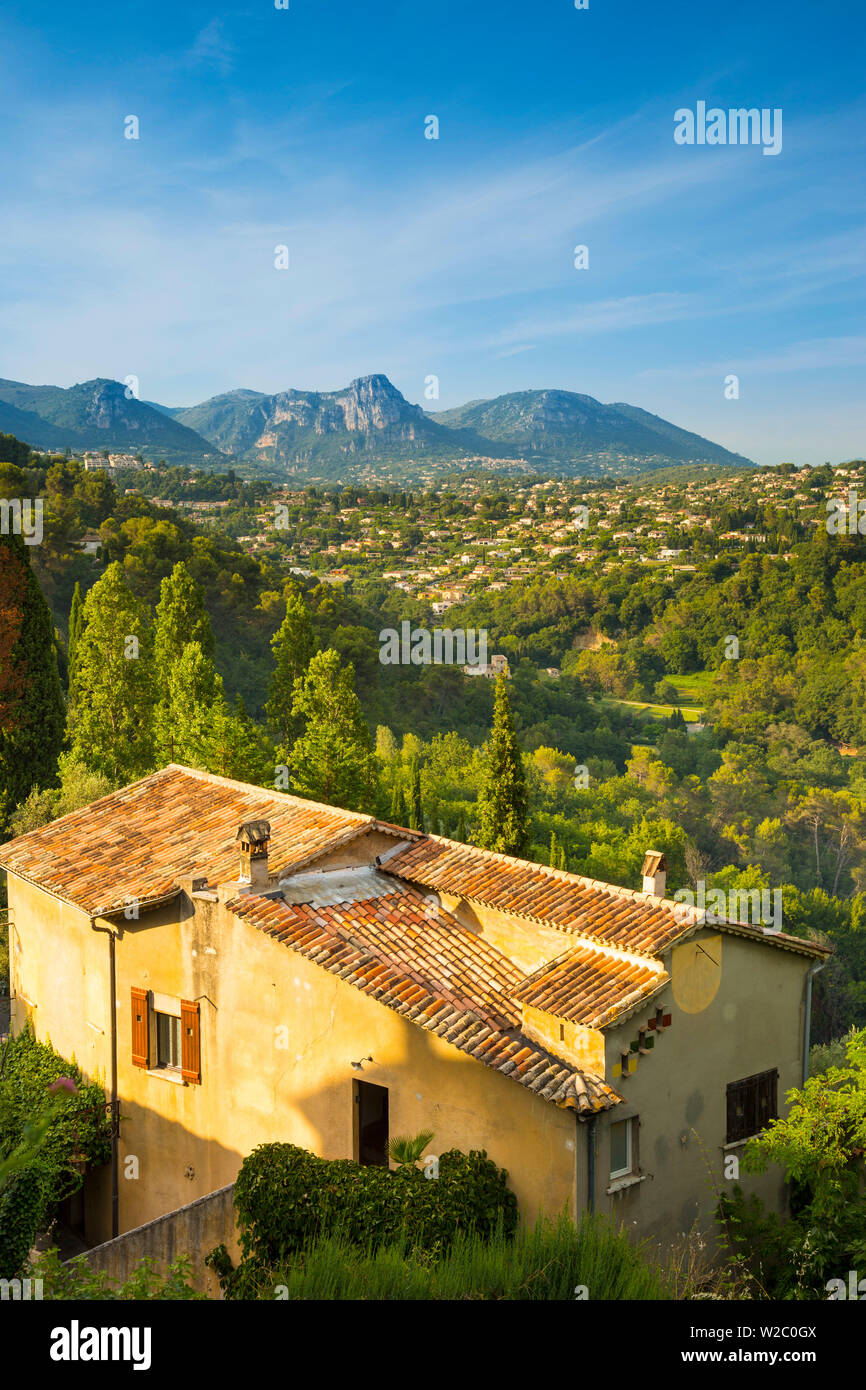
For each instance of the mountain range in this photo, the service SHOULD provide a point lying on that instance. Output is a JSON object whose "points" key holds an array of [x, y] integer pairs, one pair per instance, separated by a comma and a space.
{"points": [[366, 430]]}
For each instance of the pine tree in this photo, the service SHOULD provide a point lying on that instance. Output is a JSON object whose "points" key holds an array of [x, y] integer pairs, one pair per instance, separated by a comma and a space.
{"points": [[503, 804], [333, 759], [114, 687], [76, 625], [32, 712], [293, 645]]}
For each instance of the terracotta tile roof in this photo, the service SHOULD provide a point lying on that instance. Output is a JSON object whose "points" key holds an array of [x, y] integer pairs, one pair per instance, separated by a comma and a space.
{"points": [[426, 966], [136, 843], [583, 907], [616, 916], [590, 987]]}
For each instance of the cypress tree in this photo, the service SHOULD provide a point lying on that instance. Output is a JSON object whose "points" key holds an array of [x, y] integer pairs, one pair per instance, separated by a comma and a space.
{"points": [[76, 625], [461, 827], [416, 806], [553, 854], [333, 760], [503, 804], [32, 712], [398, 806], [293, 645], [114, 689]]}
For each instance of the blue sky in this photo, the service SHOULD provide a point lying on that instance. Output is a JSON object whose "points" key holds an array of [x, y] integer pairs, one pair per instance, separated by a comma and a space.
{"points": [[453, 257]]}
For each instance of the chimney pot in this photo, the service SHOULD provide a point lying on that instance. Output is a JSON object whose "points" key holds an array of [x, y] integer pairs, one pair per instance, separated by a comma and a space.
{"points": [[654, 873], [254, 838]]}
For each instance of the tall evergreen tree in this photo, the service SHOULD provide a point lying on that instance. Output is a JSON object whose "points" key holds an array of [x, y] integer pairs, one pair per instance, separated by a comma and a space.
{"points": [[293, 645], [461, 827], [553, 855], [333, 759], [416, 805], [503, 803], [76, 625], [114, 687], [32, 712], [398, 805]]}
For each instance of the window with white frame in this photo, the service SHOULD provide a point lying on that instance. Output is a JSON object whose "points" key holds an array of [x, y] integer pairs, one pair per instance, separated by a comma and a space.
{"points": [[622, 1154]]}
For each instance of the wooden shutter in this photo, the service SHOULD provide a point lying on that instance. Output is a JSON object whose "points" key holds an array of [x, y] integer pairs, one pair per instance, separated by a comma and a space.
{"points": [[140, 1031], [190, 1042]]}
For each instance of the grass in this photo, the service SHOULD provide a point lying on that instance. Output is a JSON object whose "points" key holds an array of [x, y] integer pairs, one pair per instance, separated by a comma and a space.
{"points": [[691, 691], [551, 1261]]}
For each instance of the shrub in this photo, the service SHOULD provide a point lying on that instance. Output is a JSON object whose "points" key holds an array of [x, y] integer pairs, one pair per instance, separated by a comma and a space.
{"points": [[287, 1198], [47, 1113], [76, 1280]]}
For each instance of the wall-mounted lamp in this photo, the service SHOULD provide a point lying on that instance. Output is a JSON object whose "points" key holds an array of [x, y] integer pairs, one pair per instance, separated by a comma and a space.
{"points": [[359, 1066]]}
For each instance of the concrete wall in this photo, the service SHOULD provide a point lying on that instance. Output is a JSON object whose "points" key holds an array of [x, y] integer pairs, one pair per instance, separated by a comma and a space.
{"points": [[194, 1230]]}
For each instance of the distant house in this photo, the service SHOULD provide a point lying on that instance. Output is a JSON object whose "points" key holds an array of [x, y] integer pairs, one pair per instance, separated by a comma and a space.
{"points": [[89, 543], [242, 966], [497, 666]]}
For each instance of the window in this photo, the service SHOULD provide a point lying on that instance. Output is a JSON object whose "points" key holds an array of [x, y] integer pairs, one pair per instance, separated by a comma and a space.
{"points": [[166, 1035], [752, 1103], [622, 1157], [371, 1120], [167, 1041]]}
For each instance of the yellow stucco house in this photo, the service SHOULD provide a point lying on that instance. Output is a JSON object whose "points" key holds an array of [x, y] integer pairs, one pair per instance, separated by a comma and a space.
{"points": [[241, 966]]}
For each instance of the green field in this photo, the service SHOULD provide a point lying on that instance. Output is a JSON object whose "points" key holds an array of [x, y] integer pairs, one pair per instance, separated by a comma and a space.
{"points": [[691, 691]]}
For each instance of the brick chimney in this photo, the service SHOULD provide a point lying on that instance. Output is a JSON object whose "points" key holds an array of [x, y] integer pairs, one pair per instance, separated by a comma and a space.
{"points": [[655, 872], [254, 837]]}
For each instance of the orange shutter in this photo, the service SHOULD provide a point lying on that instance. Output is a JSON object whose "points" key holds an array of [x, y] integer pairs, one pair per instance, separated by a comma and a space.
{"points": [[190, 1042], [140, 1049]]}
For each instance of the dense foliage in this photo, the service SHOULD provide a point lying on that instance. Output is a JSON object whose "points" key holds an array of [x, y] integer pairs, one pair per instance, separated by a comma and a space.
{"points": [[820, 1144], [287, 1198], [48, 1117], [552, 1261]]}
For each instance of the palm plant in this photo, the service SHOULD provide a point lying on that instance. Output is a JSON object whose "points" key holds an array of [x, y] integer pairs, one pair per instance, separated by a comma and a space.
{"points": [[406, 1149]]}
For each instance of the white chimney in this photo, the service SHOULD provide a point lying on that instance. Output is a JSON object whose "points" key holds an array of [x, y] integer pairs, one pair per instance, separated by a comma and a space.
{"points": [[654, 873], [254, 837]]}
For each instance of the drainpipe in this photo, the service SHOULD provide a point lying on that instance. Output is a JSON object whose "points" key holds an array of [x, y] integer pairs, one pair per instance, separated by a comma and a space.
{"points": [[807, 1021], [115, 1192], [590, 1162]]}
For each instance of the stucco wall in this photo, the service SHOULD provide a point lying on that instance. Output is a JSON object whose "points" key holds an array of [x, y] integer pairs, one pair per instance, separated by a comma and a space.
{"points": [[193, 1230], [278, 1035], [753, 1023]]}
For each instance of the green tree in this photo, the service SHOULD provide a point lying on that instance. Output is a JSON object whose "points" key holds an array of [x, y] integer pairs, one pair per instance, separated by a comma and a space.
{"points": [[181, 618], [333, 760], [416, 804], [76, 625], [32, 713], [181, 720], [503, 803], [113, 695], [293, 645]]}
